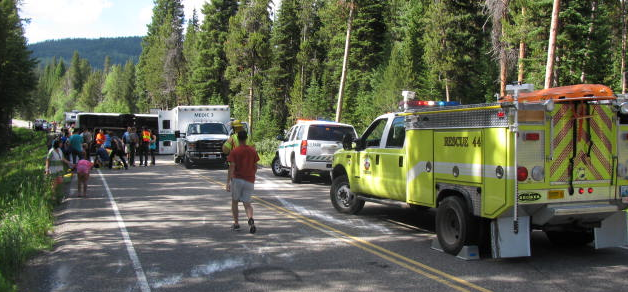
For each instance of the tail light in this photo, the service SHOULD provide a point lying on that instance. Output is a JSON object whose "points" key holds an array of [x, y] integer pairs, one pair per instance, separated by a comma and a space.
{"points": [[581, 191], [590, 191], [522, 173], [531, 137], [303, 147]]}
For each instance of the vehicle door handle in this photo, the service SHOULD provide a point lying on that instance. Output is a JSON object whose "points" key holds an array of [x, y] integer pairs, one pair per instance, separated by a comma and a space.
{"points": [[377, 159], [400, 161]]}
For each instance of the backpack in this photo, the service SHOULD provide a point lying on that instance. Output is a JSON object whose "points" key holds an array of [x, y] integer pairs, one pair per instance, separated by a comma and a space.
{"points": [[116, 143]]}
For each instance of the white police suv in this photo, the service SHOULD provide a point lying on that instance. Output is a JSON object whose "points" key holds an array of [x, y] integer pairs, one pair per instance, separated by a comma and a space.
{"points": [[309, 147]]}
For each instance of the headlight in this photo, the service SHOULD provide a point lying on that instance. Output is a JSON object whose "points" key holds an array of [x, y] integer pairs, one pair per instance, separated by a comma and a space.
{"points": [[192, 146]]}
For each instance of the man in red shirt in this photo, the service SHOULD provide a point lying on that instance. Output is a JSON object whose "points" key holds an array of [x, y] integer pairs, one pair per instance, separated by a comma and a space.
{"points": [[241, 178]]}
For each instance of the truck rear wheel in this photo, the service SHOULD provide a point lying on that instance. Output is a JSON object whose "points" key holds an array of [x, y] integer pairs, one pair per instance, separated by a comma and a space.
{"points": [[455, 226], [295, 175], [342, 198], [276, 166]]}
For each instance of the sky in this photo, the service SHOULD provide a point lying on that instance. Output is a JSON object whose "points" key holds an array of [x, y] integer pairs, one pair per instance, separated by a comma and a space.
{"points": [[58, 19]]}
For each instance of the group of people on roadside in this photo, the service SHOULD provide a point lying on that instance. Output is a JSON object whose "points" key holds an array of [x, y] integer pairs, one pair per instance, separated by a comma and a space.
{"points": [[73, 147], [131, 144]]}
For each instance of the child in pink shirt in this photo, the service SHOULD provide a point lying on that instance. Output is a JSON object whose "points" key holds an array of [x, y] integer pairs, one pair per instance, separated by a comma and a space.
{"points": [[83, 167]]}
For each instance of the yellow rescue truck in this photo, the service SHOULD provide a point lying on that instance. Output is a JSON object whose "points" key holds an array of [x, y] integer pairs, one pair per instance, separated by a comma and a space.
{"points": [[554, 160]]}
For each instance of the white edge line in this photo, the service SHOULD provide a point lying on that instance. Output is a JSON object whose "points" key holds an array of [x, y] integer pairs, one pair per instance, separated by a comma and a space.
{"points": [[137, 266]]}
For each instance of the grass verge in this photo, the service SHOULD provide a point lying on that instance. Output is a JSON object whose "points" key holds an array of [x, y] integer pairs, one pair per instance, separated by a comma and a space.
{"points": [[266, 150], [26, 204]]}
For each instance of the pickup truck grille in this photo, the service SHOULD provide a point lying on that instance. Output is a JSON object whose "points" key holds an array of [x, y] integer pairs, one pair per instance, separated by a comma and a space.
{"points": [[210, 145]]}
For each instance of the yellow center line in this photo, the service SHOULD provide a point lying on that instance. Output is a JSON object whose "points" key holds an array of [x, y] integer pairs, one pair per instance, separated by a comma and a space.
{"points": [[412, 265]]}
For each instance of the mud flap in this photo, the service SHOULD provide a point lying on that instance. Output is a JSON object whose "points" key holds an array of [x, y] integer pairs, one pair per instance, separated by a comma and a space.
{"points": [[613, 232], [505, 243]]}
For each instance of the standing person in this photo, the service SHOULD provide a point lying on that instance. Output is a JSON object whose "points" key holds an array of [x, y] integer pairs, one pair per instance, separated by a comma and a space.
{"points": [[117, 148], [107, 143], [54, 163], [241, 179], [64, 144], [127, 143], [233, 142], [76, 146], [152, 147], [135, 140], [87, 143], [83, 167], [144, 141]]}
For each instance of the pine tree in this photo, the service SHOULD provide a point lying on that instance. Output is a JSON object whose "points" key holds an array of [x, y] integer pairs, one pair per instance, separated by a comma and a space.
{"points": [[91, 95], [248, 52], [190, 53], [208, 69], [285, 41], [158, 68], [17, 69]]}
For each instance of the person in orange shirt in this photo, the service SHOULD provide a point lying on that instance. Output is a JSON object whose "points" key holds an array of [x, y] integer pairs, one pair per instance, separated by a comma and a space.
{"points": [[100, 138]]}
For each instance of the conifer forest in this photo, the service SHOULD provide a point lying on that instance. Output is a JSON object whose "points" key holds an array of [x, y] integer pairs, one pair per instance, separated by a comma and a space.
{"points": [[273, 66]]}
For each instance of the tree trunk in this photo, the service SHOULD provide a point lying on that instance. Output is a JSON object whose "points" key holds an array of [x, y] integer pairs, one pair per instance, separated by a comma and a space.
{"points": [[446, 89], [499, 12], [583, 74], [623, 46], [250, 120], [551, 47], [345, 60]]}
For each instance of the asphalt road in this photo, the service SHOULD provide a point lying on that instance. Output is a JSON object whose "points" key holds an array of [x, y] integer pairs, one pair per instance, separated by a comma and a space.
{"points": [[167, 228]]}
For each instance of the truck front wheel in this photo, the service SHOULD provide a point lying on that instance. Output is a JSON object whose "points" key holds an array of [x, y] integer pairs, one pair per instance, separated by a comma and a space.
{"points": [[187, 162], [455, 226], [342, 198], [276, 165]]}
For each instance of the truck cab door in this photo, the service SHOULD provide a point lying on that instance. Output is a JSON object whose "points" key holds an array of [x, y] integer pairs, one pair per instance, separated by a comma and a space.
{"points": [[369, 161], [392, 161]]}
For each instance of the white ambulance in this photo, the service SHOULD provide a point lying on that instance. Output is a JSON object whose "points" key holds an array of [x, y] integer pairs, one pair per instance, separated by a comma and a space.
{"points": [[194, 134]]}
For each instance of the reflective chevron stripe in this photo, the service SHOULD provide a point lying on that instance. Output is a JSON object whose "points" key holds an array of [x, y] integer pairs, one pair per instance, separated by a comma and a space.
{"points": [[321, 158]]}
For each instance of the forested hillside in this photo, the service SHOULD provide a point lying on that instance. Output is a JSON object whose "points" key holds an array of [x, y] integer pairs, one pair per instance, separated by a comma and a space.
{"points": [[275, 69], [119, 50]]}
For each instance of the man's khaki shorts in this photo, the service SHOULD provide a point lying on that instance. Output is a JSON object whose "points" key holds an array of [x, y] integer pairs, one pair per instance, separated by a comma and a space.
{"points": [[241, 190]]}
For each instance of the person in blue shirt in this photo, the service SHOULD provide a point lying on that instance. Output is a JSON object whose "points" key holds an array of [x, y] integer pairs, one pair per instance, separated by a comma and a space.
{"points": [[127, 143], [76, 146], [107, 143]]}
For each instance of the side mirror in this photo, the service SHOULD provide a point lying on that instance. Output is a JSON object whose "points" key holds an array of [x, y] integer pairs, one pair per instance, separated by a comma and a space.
{"points": [[360, 144], [347, 142], [177, 134], [280, 138]]}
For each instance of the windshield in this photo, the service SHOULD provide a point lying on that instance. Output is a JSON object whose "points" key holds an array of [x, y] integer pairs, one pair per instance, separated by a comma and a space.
{"points": [[208, 128], [329, 132]]}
